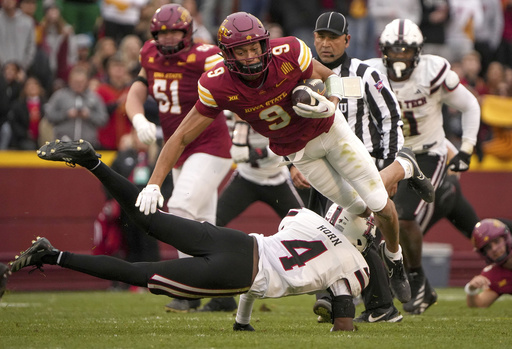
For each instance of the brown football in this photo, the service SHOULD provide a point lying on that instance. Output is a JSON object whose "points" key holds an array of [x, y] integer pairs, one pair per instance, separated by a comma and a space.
{"points": [[302, 92]]}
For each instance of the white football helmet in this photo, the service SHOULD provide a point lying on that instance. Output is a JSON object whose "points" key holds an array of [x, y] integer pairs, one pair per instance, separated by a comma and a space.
{"points": [[398, 36], [359, 231]]}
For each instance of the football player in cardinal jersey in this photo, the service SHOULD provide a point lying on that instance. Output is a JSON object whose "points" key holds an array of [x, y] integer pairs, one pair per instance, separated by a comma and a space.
{"points": [[306, 255], [491, 238], [255, 82], [171, 66], [422, 84]]}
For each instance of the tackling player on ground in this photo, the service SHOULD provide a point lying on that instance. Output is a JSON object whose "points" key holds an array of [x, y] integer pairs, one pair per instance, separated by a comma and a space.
{"points": [[306, 255], [255, 82]]}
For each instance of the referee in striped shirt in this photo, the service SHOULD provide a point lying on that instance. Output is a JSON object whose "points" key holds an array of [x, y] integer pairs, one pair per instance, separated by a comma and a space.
{"points": [[376, 120]]}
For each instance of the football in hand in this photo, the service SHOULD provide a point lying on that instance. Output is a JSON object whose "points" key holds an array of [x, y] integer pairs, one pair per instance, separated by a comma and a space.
{"points": [[302, 92]]}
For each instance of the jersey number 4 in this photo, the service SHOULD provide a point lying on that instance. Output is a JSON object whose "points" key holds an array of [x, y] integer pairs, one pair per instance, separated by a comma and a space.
{"points": [[308, 249]]}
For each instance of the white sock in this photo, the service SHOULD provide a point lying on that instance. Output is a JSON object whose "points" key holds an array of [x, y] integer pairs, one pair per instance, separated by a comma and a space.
{"points": [[407, 166], [394, 256]]}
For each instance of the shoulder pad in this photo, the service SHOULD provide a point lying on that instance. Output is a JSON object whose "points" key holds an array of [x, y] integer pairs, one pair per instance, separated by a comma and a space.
{"points": [[452, 80], [434, 70]]}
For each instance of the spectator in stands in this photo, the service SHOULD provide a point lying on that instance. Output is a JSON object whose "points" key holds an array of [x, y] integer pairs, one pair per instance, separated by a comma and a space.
{"points": [[25, 115], [465, 17], [75, 111], [120, 17], [82, 15], [488, 35], [29, 7], [14, 78], [113, 93], [504, 52], [17, 38], [56, 39], [129, 49], [83, 51], [201, 34], [104, 48], [434, 20]]}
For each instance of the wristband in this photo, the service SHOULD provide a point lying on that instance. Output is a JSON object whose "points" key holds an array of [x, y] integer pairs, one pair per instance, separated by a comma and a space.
{"points": [[334, 87], [470, 292]]}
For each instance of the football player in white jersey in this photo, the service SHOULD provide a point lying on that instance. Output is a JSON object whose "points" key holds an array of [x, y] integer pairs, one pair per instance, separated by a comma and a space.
{"points": [[306, 255], [422, 84]]}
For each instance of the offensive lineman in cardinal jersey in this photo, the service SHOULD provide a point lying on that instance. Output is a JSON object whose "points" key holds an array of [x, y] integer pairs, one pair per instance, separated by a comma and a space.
{"points": [[171, 66], [422, 84], [255, 82]]}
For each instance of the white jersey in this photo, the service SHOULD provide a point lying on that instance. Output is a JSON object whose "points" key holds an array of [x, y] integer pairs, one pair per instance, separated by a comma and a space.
{"points": [[421, 98], [307, 255]]}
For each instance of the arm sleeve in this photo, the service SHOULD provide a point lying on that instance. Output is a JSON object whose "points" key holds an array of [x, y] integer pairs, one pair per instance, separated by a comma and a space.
{"points": [[243, 314], [461, 99]]}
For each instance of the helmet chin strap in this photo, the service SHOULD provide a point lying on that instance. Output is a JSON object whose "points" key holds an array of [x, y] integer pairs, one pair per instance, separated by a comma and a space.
{"points": [[398, 67]]}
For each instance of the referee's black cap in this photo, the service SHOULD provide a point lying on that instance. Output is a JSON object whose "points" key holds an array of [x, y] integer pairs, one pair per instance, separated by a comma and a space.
{"points": [[333, 22]]}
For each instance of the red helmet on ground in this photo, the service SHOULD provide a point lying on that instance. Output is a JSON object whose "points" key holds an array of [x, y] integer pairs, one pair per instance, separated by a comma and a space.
{"points": [[242, 28], [172, 17], [488, 230]]}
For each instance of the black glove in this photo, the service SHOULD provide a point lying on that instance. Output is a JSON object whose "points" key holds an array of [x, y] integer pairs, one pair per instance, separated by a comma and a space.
{"points": [[240, 327], [256, 154], [460, 162]]}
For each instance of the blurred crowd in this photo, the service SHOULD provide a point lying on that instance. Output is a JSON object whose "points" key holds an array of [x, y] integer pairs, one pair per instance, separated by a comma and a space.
{"points": [[67, 64]]}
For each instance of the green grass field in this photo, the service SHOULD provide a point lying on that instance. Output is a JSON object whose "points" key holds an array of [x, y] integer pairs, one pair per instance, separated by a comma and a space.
{"points": [[128, 320]]}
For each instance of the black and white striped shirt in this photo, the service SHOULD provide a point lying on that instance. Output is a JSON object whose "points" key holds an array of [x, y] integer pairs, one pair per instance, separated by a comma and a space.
{"points": [[375, 118]]}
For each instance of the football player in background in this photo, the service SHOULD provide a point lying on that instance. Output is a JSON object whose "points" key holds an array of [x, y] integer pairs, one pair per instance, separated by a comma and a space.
{"points": [[491, 238], [255, 82], [306, 255], [422, 84], [171, 65]]}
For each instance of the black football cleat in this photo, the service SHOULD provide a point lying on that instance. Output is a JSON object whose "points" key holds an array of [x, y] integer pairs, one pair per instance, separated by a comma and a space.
{"points": [[33, 255], [390, 314], [323, 309], [71, 152], [418, 182], [397, 276], [240, 327], [423, 295]]}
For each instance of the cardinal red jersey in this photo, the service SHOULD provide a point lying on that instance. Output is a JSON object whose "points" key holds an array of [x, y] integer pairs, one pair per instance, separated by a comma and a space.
{"points": [[173, 84], [500, 278], [267, 108]]}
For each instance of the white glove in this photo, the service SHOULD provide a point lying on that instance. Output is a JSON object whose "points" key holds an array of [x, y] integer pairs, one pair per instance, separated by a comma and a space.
{"points": [[239, 153], [146, 131], [148, 198], [324, 109]]}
